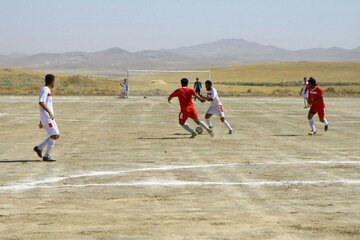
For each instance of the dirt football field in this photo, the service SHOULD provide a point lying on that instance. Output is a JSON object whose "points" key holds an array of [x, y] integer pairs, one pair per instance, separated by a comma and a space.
{"points": [[125, 169]]}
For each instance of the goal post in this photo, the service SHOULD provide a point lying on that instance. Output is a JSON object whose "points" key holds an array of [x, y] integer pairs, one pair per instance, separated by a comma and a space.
{"points": [[143, 75]]}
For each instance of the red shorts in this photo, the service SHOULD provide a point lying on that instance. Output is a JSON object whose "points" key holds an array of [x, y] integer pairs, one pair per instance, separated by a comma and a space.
{"points": [[184, 115], [319, 110]]}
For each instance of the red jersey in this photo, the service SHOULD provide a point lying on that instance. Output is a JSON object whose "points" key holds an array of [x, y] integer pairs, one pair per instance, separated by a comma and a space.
{"points": [[315, 94], [185, 98]]}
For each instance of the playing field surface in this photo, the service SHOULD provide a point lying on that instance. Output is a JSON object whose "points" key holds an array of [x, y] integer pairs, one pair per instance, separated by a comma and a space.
{"points": [[125, 169]]}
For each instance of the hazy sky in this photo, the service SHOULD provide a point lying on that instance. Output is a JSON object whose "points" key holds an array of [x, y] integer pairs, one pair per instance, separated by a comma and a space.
{"points": [[32, 26]]}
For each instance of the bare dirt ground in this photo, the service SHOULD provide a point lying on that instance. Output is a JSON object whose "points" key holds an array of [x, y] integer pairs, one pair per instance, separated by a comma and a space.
{"points": [[126, 170]]}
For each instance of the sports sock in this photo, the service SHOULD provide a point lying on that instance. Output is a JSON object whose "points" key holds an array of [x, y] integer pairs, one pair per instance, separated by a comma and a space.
{"points": [[50, 146], [312, 125], [188, 128], [227, 124], [326, 122], [203, 125], [43, 144], [208, 121]]}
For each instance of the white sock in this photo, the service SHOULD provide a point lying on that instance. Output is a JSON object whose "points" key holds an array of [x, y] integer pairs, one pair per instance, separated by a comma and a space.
{"points": [[312, 125], [203, 125], [326, 122], [227, 124], [50, 146], [43, 144], [188, 128], [208, 121]]}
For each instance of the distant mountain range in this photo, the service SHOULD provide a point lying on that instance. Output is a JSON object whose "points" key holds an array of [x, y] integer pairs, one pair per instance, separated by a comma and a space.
{"points": [[221, 53]]}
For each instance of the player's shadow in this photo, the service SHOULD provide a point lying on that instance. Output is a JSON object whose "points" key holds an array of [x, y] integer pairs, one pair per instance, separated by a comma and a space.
{"points": [[181, 136], [19, 161]]}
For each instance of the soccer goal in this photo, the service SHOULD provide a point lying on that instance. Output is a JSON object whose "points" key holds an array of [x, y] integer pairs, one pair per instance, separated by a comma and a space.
{"points": [[143, 82]]}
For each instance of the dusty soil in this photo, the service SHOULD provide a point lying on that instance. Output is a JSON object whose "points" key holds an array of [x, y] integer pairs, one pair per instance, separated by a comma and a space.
{"points": [[126, 170]]}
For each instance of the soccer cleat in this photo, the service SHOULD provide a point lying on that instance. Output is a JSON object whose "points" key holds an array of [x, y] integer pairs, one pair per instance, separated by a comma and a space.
{"points": [[38, 151], [231, 131], [211, 133], [326, 127], [48, 158], [312, 133], [193, 135]]}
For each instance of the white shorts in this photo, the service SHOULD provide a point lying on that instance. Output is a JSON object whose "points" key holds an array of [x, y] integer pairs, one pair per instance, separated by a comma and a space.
{"points": [[50, 126], [218, 111]]}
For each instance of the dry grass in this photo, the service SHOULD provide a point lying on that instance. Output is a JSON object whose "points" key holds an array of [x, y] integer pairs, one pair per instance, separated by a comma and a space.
{"points": [[27, 82], [289, 72], [229, 81]]}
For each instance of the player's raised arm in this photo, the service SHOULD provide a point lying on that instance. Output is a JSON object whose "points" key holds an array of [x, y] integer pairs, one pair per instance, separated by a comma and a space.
{"points": [[171, 96]]}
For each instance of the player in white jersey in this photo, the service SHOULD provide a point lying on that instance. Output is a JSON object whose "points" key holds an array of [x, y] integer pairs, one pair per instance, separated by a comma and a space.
{"points": [[216, 108], [47, 120], [304, 92]]}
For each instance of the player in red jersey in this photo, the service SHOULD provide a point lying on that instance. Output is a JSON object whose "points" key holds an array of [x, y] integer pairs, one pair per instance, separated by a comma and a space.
{"points": [[187, 107], [316, 101]]}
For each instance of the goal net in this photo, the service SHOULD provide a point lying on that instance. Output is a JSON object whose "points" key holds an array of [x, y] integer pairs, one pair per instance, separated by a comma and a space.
{"points": [[161, 82]]}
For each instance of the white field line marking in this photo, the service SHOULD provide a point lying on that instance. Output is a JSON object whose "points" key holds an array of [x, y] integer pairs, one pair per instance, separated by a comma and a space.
{"points": [[174, 183], [346, 122], [306, 162], [31, 185], [37, 184]]}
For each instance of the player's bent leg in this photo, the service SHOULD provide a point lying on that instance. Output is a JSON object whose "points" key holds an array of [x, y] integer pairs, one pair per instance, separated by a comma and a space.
{"points": [[182, 121], [207, 119], [311, 123], [322, 118], [38, 149], [227, 124], [203, 125], [326, 127], [55, 137], [50, 146], [189, 129], [305, 102]]}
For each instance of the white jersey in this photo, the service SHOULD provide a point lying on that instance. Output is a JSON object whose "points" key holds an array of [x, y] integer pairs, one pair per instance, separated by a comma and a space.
{"points": [[49, 124], [216, 107], [45, 96], [304, 89], [215, 98]]}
